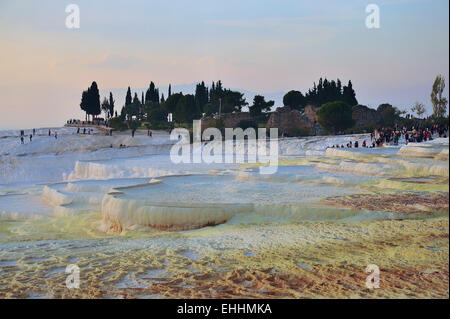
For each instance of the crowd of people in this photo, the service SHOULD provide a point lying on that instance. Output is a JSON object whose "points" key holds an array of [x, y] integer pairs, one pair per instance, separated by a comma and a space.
{"points": [[80, 130], [99, 122], [383, 136], [378, 138], [32, 134], [88, 131]]}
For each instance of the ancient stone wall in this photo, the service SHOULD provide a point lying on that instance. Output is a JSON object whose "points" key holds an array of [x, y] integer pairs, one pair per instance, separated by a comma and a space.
{"points": [[286, 119]]}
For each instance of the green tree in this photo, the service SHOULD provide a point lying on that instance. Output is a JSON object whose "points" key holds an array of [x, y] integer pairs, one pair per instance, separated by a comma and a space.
{"points": [[132, 108], [216, 94], [156, 116], [225, 100], [201, 96], [105, 107], [111, 105], [260, 105], [152, 94], [135, 109], [171, 102], [391, 115], [295, 100], [437, 100], [133, 124], [349, 95], [328, 91], [117, 124], [128, 98], [232, 101], [93, 100], [419, 109], [335, 116], [136, 99], [84, 105], [186, 109]]}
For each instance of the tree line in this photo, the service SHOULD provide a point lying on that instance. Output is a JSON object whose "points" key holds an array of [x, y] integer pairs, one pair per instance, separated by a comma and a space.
{"points": [[337, 116], [154, 108], [321, 93]]}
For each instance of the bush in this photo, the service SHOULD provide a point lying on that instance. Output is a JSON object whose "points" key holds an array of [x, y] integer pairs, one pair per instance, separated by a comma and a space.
{"points": [[133, 124], [182, 125], [117, 124], [335, 116], [165, 126], [156, 115]]}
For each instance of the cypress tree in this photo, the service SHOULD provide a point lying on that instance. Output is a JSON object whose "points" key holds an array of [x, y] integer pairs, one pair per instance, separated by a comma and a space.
{"points": [[348, 95], [152, 94], [111, 104], [156, 96], [330, 91], [148, 97], [136, 99], [201, 96], [84, 102], [105, 107], [94, 100], [152, 91], [128, 98], [339, 87]]}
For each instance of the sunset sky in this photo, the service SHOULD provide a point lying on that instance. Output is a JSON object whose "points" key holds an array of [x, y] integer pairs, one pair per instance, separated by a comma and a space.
{"points": [[259, 46]]}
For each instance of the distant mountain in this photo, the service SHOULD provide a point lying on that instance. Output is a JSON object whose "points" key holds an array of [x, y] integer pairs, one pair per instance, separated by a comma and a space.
{"points": [[119, 94]]}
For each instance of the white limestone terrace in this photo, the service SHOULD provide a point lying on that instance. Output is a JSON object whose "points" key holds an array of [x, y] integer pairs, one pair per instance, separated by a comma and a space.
{"points": [[77, 174]]}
